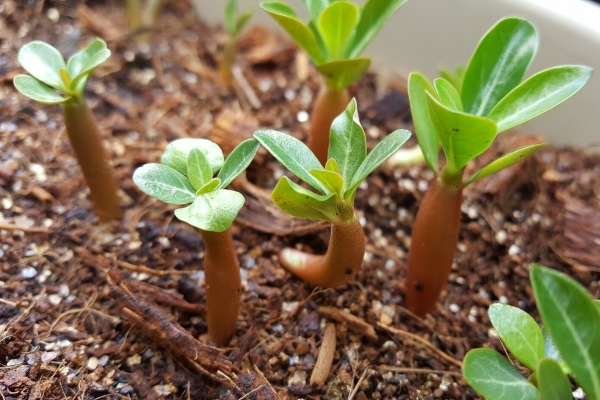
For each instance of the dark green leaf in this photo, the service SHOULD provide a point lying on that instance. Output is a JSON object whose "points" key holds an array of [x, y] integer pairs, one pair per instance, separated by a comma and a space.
{"points": [[462, 136], [519, 333], [569, 314], [237, 161], [84, 62], [213, 211], [552, 381], [199, 172], [177, 152], [302, 203], [538, 94], [332, 180], [372, 17], [164, 183], [418, 86], [504, 162], [447, 94], [343, 73], [347, 142], [36, 90], [498, 64], [43, 62], [495, 378], [336, 24]]}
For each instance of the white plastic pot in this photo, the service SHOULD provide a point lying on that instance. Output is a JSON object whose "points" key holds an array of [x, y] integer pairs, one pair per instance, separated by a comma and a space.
{"points": [[426, 34]]}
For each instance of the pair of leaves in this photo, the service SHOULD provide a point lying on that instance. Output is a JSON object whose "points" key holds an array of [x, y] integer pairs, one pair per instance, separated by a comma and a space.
{"points": [[337, 182], [49, 71], [490, 99], [185, 176], [234, 23], [569, 343], [337, 34]]}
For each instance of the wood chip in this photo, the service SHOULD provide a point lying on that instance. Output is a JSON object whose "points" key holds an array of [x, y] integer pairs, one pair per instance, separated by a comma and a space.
{"points": [[352, 322], [325, 357]]}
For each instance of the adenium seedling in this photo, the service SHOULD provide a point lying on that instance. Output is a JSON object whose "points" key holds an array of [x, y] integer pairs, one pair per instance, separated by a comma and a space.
{"points": [[187, 175], [491, 100], [332, 200], [567, 345], [235, 24], [50, 72], [333, 39]]}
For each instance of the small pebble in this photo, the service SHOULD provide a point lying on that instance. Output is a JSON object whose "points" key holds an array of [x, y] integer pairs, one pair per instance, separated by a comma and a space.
{"points": [[135, 359], [54, 299], [514, 250], [92, 363], [579, 394], [501, 237], [28, 272], [299, 378], [103, 360], [454, 308], [302, 116]]}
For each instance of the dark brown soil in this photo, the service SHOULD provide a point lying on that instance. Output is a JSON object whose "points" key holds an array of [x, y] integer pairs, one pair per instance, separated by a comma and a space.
{"points": [[114, 311]]}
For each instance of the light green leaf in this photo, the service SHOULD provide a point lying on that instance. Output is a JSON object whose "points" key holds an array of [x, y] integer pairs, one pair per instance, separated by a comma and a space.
{"points": [[447, 94], [454, 77], [36, 90], [519, 333], [372, 17], [43, 62], [293, 154], [332, 165], [347, 142], [552, 381], [332, 180], [569, 314], [498, 64], [418, 86], [164, 183], [230, 13], [538, 94], [177, 152], [213, 211], [237, 161], [316, 7], [462, 136], [343, 73], [84, 62], [336, 24], [495, 378], [242, 21], [298, 31], [212, 185], [384, 149], [302, 203], [198, 169], [504, 161]]}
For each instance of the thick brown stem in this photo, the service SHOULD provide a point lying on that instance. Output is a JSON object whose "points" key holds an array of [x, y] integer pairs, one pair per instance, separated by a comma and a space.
{"points": [[329, 104], [223, 285], [338, 265], [433, 245], [86, 141]]}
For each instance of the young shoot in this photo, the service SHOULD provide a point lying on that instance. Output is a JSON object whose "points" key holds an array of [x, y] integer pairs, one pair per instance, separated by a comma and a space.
{"points": [[50, 72], [333, 197], [333, 39], [234, 24], [186, 176], [491, 100], [141, 15], [568, 344]]}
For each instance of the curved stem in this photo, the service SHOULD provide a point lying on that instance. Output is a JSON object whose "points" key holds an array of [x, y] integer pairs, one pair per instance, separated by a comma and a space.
{"points": [[223, 285], [329, 104], [338, 265], [86, 141], [433, 244]]}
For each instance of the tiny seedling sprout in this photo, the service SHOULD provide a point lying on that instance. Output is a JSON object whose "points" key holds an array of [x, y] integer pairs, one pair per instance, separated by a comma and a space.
{"points": [[235, 24], [335, 187], [186, 175]]}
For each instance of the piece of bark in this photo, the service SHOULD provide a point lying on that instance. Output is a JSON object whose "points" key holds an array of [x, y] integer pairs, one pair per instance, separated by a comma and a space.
{"points": [[352, 322], [325, 357], [580, 246]]}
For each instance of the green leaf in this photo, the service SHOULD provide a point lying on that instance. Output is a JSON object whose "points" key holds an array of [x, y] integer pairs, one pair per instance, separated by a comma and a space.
{"points": [[495, 378], [454, 77], [293, 154], [242, 21], [336, 24], [164, 183], [36, 90], [43, 62], [332, 180], [298, 31], [381, 152], [569, 314], [538, 94], [447, 94], [418, 86], [552, 381], [347, 142], [372, 17], [597, 304], [212, 185], [237, 161], [504, 161], [462, 136], [84, 62], [213, 211], [177, 152], [316, 7], [198, 169], [498, 64], [230, 13], [302, 203], [519, 333], [343, 73]]}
